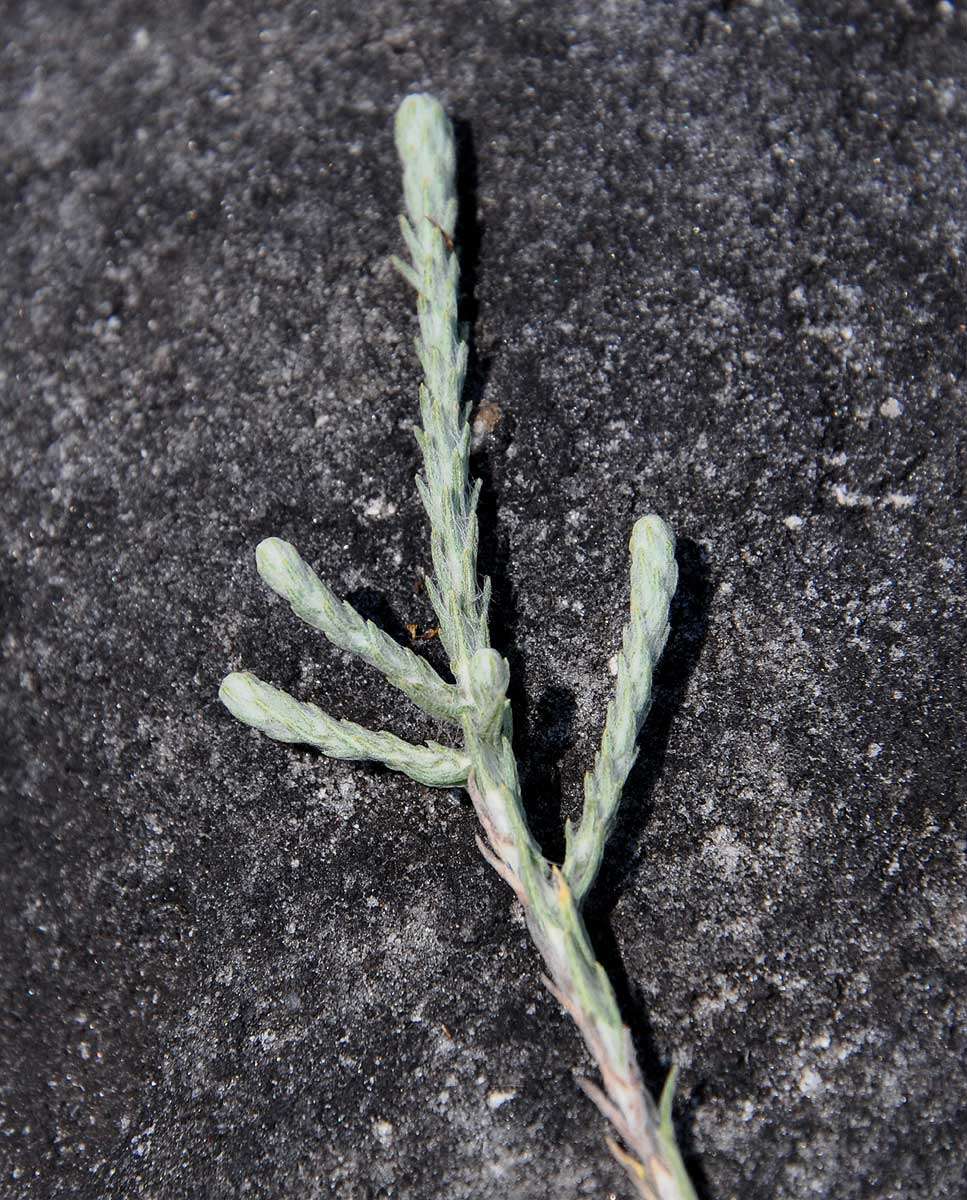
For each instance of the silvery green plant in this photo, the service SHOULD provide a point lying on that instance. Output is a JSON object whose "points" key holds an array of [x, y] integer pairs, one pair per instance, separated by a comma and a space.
{"points": [[475, 705]]}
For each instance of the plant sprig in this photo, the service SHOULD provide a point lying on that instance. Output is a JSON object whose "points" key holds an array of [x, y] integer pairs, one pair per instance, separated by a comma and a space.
{"points": [[477, 703]]}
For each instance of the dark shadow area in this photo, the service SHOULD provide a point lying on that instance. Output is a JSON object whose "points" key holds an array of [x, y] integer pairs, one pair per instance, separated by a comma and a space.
{"points": [[492, 554], [541, 738], [372, 605], [468, 237], [493, 557], [493, 551]]}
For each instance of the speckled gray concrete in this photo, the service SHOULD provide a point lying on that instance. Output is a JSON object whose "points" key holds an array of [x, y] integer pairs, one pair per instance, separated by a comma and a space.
{"points": [[716, 253]]}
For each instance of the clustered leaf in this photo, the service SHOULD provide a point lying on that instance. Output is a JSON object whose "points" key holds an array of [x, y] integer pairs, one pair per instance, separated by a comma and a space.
{"points": [[285, 572], [285, 719], [654, 577], [477, 701]]}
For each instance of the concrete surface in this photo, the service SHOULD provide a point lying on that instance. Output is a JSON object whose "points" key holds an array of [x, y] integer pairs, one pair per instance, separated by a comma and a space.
{"points": [[715, 254]]}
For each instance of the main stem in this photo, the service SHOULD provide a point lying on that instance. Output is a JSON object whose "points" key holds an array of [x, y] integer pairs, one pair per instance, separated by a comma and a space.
{"points": [[650, 1157], [575, 977]]}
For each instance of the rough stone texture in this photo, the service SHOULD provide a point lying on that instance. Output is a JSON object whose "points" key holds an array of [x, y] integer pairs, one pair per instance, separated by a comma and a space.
{"points": [[716, 260]]}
